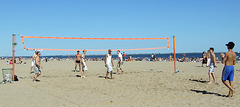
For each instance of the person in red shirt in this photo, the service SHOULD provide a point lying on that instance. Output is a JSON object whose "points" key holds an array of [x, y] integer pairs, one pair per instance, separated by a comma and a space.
{"points": [[123, 55]]}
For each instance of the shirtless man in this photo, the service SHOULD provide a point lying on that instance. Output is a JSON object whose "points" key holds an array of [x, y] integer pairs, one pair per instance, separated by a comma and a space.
{"points": [[109, 63], [33, 61], [37, 66], [77, 61], [212, 67], [228, 71], [83, 63]]}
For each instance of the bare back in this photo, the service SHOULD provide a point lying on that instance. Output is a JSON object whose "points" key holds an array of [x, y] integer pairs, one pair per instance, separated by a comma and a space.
{"points": [[230, 58], [208, 55], [213, 57], [37, 60], [34, 57], [83, 58]]}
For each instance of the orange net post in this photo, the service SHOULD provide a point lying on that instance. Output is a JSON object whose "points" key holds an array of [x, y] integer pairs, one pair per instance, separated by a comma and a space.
{"points": [[13, 56], [174, 49], [93, 39]]}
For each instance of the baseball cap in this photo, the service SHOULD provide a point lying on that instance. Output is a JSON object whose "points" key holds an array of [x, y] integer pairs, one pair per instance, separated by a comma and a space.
{"points": [[230, 44]]}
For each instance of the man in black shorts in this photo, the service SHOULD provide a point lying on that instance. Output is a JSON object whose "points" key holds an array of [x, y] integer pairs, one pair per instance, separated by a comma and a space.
{"points": [[77, 61]]}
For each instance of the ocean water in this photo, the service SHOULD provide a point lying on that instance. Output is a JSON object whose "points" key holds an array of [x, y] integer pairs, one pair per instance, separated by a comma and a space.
{"points": [[179, 55]]}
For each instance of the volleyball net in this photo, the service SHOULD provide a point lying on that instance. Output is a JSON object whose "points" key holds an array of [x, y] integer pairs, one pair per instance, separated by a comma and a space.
{"points": [[136, 46], [99, 39]]}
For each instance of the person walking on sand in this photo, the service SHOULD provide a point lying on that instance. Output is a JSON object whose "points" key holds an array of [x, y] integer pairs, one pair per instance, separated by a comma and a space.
{"points": [[77, 61], [33, 61], [37, 67], [228, 70], [208, 58], [120, 62], [109, 63], [83, 63], [212, 67], [204, 60]]}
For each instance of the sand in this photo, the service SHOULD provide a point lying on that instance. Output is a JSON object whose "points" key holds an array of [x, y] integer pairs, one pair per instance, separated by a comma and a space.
{"points": [[144, 84]]}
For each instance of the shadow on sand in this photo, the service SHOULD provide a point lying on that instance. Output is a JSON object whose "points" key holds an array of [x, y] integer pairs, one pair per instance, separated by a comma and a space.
{"points": [[202, 66], [101, 77], [209, 93], [78, 76], [201, 81], [74, 70]]}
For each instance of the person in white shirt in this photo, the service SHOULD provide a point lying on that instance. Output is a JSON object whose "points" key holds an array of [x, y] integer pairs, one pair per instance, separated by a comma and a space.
{"points": [[83, 63], [120, 62], [33, 61], [109, 63]]}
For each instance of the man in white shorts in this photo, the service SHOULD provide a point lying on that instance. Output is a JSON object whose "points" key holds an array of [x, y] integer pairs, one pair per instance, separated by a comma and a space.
{"points": [[33, 61], [109, 63], [212, 67], [83, 63], [37, 67]]}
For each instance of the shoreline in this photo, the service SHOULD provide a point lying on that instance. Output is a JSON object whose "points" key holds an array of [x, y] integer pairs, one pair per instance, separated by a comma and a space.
{"points": [[179, 55]]}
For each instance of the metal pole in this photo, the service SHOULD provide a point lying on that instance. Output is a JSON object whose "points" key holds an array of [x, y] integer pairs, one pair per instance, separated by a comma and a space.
{"points": [[174, 48], [13, 55]]}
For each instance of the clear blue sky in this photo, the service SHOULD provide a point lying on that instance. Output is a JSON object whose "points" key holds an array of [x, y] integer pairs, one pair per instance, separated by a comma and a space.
{"points": [[197, 24]]}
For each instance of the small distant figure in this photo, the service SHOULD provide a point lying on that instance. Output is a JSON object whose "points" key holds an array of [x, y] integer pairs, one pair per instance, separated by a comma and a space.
{"points": [[77, 61], [152, 57], [222, 55], [204, 58], [155, 57], [109, 63], [228, 71], [184, 58], [37, 67], [46, 59], [83, 63], [170, 58], [120, 62], [129, 58], [208, 58], [33, 61], [11, 62], [212, 67], [123, 55], [20, 60]]}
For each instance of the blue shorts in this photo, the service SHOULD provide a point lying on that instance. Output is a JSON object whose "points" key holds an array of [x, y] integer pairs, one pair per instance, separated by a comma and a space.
{"points": [[228, 73]]}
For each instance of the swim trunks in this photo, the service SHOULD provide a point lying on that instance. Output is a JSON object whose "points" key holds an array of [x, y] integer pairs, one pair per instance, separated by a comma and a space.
{"points": [[37, 69], [109, 68], [84, 68], [228, 73], [119, 65], [33, 63], [78, 61], [211, 68]]}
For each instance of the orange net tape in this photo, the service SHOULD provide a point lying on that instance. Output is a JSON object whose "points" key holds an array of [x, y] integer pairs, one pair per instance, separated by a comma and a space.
{"points": [[93, 39]]}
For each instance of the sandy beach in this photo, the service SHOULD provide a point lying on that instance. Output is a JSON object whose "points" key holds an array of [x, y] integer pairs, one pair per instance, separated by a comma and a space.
{"points": [[144, 84]]}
